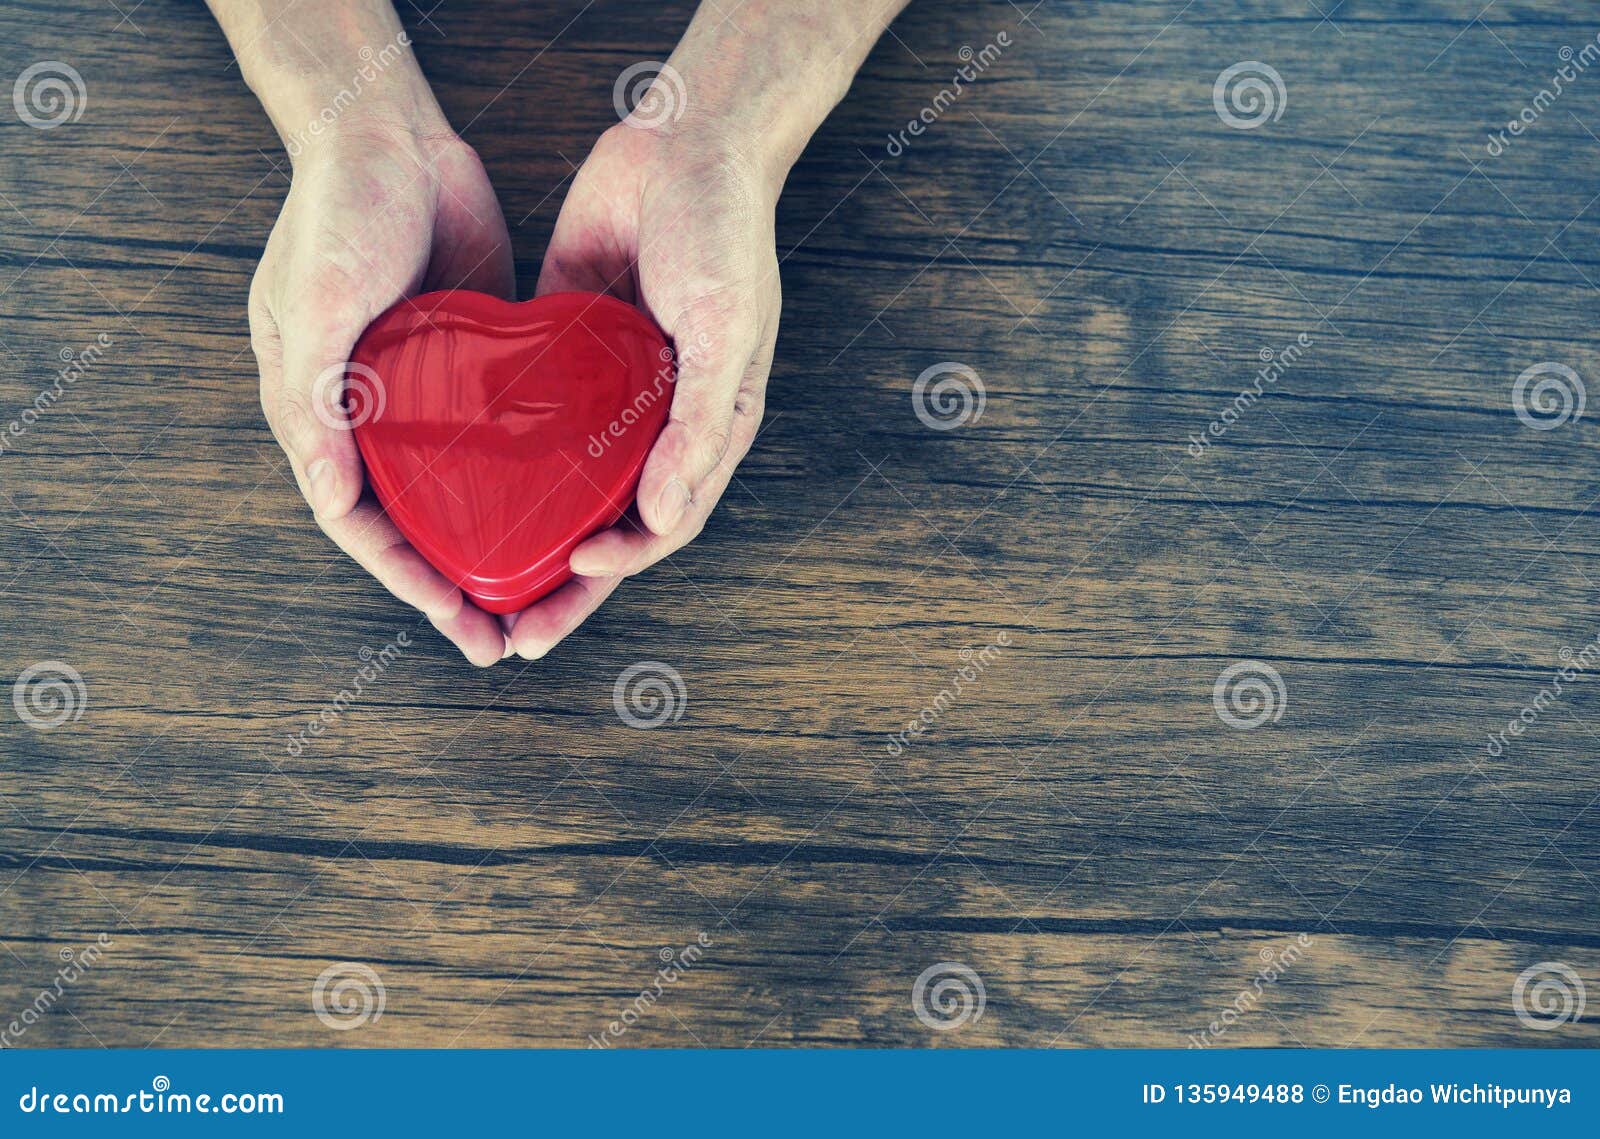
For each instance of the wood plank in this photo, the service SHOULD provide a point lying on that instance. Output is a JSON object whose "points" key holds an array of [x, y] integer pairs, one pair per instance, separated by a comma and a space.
{"points": [[1077, 826]]}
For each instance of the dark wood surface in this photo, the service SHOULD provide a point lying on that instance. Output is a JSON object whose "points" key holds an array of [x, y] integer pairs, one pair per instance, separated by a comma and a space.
{"points": [[1078, 827]]}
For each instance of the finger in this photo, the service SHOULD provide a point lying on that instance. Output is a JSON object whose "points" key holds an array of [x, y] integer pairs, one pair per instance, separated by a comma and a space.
{"points": [[714, 421], [476, 634], [629, 547], [623, 550], [619, 552], [373, 541], [265, 341], [545, 624], [723, 361], [288, 417], [305, 407]]}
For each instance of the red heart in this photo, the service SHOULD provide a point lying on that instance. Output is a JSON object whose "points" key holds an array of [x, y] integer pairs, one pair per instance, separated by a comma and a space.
{"points": [[498, 436]]}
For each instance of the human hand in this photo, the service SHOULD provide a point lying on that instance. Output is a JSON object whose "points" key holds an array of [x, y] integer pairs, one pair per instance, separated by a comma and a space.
{"points": [[681, 225], [377, 210], [673, 211]]}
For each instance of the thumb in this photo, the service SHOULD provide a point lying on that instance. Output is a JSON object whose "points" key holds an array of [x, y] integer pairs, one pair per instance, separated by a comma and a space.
{"points": [[309, 414], [715, 355]]}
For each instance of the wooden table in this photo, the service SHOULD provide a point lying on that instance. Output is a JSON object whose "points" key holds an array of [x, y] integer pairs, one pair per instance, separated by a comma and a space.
{"points": [[498, 858]]}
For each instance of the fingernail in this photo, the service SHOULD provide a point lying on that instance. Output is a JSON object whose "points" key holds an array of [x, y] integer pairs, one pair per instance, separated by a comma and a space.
{"points": [[587, 565], [320, 477], [673, 502], [448, 606], [486, 660], [477, 662]]}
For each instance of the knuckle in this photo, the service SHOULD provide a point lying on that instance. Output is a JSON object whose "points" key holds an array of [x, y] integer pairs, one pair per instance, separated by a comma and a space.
{"points": [[466, 154], [267, 350], [290, 414], [750, 403], [721, 329], [703, 446], [262, 325], [730, 459], [713, 445]]}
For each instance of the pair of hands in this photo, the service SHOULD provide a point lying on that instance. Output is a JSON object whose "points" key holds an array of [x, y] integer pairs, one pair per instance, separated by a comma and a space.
{"points": [[679, 224]]}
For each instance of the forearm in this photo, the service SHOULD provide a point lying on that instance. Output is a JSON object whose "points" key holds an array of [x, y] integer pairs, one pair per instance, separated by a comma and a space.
{"points": [[765, 73], [321, 66]]}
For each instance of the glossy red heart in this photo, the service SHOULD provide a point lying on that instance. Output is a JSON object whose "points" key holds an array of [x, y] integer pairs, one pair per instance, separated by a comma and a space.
{"points": [[498, 436]]}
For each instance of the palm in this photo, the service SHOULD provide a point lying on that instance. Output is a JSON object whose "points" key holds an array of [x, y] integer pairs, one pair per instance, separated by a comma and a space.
{"points": [[384, 227]]}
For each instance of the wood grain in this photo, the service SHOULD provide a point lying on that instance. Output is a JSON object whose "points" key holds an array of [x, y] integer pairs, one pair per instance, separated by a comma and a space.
{"points": [[1078, 826]]}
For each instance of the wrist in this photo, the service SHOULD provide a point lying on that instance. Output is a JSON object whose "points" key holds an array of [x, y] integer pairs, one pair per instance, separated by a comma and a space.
{"points": [[380, 92], [362, 76], [763, 92], [762, 126]]}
